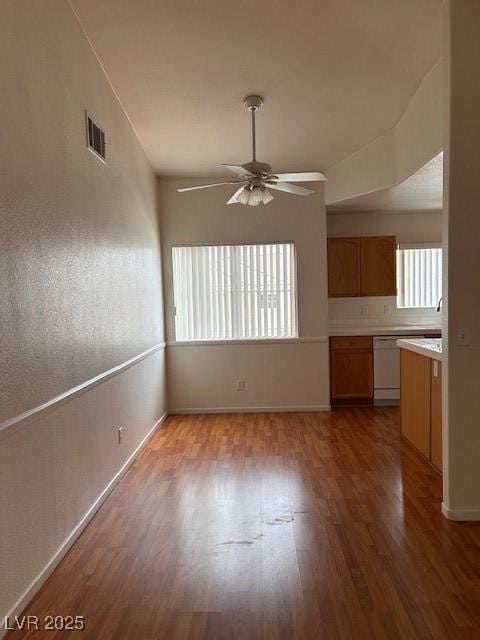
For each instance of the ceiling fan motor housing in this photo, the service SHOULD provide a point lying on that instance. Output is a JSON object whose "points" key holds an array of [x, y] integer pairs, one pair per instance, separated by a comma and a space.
{"points": [[260, 169]]}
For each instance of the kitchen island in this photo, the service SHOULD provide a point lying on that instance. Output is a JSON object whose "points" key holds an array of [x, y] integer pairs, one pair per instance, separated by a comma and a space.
{"points": [[421, 396]]}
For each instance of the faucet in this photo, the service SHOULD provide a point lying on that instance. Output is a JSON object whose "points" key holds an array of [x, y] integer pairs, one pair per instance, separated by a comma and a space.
{"points": [[439, 305]]}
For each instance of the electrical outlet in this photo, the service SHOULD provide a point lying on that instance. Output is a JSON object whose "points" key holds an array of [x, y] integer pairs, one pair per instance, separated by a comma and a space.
{"points": [[120, 434], [462, 337], [387, 309], [240, 385], [364, 310]]}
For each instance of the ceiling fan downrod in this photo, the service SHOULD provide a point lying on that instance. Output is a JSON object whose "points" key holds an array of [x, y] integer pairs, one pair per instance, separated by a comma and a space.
{"points": [[253, 104], [260, 169], [254, 179]]}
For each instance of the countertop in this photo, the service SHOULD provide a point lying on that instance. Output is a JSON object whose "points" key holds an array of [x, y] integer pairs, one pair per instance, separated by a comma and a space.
{"points": [[401, 330], [430, 347]]}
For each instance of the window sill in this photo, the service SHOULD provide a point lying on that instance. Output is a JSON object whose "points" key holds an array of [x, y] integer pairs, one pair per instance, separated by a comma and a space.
{"points": [[256, 341], [401, 308]]}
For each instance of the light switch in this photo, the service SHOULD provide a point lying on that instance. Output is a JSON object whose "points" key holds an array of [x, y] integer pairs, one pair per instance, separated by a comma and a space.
{"points": [[462, 337]]}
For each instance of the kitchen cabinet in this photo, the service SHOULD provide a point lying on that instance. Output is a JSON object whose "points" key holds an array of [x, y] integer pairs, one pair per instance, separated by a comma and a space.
{"points": [[421, 404], [361, 266], [344, 267], [378, 276], [351, 370], [415, 399], [436, 415]]}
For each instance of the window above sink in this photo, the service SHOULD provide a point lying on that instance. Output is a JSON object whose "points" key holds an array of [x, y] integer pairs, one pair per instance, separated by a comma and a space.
{"points": [[419, 276]]}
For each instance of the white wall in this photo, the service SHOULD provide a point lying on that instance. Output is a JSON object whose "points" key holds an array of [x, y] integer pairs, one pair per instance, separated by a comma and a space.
{"points": [[55, 465], [204, 376], [412, 226], [461, 380], [80, 276], [398, 153]]}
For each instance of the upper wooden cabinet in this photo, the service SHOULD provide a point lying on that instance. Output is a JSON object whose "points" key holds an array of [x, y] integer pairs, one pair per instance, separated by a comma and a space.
{"points": [[378, 266], [344, 267], [361, 266]]}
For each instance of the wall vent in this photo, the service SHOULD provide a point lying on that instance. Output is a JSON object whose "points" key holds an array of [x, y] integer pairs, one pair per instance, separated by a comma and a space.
{"points": [[95, 138]]}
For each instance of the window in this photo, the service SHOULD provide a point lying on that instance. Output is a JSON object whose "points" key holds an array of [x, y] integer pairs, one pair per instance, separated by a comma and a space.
{"points": [[234, 292], [419, 276]]}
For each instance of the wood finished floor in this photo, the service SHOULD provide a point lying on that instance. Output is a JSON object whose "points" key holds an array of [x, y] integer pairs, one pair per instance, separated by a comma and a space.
{"points": [[305, 526]]}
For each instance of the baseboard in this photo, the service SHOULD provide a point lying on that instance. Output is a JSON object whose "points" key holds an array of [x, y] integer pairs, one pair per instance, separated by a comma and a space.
{"points": [[385, 402], [461, 515], [63, 549], [276, 409], [338, 403]]}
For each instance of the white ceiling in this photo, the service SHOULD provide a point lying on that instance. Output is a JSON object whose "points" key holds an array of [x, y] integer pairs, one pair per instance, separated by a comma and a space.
{"points": [[423, 191], [335, 74]]}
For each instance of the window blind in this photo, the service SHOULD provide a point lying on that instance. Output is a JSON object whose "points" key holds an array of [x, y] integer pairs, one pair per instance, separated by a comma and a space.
{"points": [[234, 292], [419, 277]]}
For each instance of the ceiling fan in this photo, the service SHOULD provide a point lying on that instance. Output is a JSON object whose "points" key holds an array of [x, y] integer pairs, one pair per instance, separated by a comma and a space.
{"points": [[255, 179]]}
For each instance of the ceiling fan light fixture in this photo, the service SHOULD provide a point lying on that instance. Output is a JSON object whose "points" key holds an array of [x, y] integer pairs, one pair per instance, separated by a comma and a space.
{"points": [[244, 196], [256, 196], [266, 196]]}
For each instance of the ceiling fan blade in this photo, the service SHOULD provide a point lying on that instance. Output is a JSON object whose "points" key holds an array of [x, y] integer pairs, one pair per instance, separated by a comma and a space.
{"points": [[307, 176], [204, 186], [289, 188], [234, 199], [237, 169]]}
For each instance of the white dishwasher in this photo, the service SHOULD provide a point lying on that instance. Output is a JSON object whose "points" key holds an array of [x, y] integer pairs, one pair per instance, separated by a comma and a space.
{"points": [[386, 369]]}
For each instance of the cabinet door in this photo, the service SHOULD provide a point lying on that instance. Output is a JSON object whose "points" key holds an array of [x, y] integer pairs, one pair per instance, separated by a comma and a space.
{"points": [[344, 267], [378, 266], [351, 374], [415, 399], [436, 415]]}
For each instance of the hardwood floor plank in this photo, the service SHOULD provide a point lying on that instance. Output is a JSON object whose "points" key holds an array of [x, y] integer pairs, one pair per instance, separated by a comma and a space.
{"points": [[272, 526]]}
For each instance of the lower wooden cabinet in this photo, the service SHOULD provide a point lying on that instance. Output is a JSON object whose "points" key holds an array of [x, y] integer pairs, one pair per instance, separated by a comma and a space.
{"points": [[415, 399], [421, 404], [351, 369], [436, 415]]}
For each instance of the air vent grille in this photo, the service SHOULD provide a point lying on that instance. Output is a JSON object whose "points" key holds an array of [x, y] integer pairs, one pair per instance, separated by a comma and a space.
{"points": [[95, 138]]}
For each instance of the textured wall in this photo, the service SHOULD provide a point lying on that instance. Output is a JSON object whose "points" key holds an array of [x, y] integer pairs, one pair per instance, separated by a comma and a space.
{"points": [[79, 257], [54, 466], [407, 226], [293, 376], [276, 375], [461, 381], [80, 281]]}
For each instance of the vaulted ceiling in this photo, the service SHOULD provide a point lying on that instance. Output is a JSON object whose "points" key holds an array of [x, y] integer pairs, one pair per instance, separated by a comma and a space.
{"points": [[423, 191], [334, 74]]}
